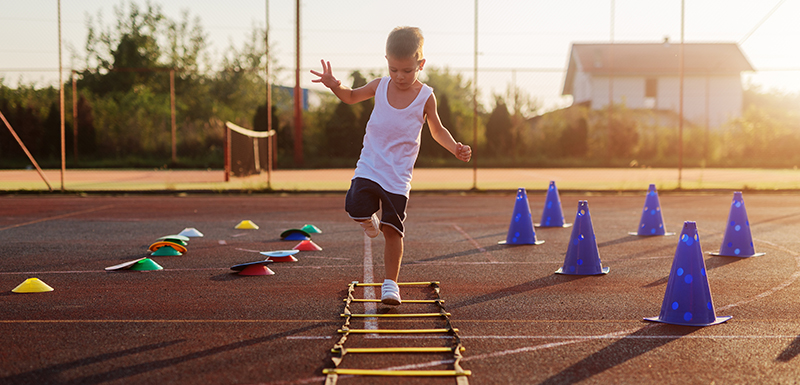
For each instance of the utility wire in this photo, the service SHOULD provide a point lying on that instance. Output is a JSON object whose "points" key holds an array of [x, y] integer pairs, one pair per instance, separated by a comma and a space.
{"points": [[775, 8]]}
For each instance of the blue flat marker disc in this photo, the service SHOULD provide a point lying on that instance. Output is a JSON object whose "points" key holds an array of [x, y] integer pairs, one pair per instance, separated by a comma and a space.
{"points": [[280, 253]]}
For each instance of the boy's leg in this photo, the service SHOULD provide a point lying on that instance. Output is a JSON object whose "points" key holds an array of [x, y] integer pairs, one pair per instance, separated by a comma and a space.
{"points": [[392, 256], [392, 253]]}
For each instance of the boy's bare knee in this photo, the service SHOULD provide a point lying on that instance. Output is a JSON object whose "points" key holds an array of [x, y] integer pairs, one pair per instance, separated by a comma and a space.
{"points": [[389, 231]]}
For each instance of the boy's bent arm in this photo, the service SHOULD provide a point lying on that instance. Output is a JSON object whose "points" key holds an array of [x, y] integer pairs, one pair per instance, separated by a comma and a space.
{"points": [[347, 95], [360, 94], [441, 135]]}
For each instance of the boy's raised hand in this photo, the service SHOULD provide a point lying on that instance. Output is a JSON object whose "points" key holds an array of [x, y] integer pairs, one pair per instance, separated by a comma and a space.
{"points": [[326, 76], [463, 152]]}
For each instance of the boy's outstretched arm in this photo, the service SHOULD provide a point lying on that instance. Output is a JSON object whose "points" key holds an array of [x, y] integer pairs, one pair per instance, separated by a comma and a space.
{"points": [[344, 94], [442, 136]]}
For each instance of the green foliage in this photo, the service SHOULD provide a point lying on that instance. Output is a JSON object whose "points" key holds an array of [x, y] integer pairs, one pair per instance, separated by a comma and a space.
{"points": [[124, 114], [500, 135]]}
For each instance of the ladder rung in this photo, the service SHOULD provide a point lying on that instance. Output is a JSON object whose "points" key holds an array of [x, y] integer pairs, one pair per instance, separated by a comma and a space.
{"points": [[404, 301], [421, 373], [400, 350], [361, 284], [396, 331], [394, 315]]}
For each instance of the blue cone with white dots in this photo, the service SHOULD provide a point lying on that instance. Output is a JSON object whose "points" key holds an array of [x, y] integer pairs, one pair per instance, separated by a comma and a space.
{"points": [[520, 232], [552, 215], [687, 300], [583, 257], [738, 241], [652, 222]]}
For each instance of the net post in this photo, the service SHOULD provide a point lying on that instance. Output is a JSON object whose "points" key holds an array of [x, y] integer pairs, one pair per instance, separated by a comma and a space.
{"points": [[227, 152], [25, 149]]}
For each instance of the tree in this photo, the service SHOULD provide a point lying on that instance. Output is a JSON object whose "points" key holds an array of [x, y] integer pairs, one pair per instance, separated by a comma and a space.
{"points": [[345, 130], [499, 131], [429, 148]]}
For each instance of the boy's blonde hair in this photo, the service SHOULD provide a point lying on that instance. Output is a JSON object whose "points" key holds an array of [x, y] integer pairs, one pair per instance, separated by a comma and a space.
{"points": [[404, 42]]}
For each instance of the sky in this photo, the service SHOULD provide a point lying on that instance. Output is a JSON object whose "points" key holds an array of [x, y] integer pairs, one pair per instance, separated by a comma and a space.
{"points": [[524, 43]]}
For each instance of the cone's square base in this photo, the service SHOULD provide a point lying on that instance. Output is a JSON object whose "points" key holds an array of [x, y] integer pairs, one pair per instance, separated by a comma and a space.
{"points": [[654, 235], [547, 227], [503, 242], [601, 272], [737, 256], [717, 321]]}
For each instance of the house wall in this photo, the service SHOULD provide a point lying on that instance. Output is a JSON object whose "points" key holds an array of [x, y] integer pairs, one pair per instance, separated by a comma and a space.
{"points": [[711, 100]]}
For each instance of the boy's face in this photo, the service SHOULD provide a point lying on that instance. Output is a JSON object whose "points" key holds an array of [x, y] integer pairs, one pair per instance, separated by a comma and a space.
{"points": [[404, 71]]}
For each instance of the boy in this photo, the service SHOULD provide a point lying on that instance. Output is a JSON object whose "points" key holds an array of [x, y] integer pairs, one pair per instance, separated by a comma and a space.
{"points": [[391, 145]]}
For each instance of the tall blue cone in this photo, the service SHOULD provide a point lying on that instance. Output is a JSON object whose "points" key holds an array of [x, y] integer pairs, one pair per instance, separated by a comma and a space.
{"points": [[652, 223], [552, 216], [738, 241], [687, 300], [520, 231], [583, 257]]}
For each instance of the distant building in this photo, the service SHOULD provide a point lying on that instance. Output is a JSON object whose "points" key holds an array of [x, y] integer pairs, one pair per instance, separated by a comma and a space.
{"points": [[647, 76]]}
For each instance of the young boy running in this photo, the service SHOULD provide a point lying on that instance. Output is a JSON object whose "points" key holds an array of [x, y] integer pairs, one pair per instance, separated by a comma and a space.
{"points": [[382, 177]]}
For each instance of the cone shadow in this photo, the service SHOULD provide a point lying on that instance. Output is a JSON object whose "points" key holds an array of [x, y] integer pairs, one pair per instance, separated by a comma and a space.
{"points": [[541, 283], [55, 373], [711, 263], [458, 254], [790, 352], [625, 349]]}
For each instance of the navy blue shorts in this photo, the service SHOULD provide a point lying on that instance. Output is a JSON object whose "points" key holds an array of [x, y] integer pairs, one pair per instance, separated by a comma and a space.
{"points": [[366, 197]]}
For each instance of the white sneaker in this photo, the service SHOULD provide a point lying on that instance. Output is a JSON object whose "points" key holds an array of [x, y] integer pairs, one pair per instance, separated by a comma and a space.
{"points": [[372, 226], [390, 293]]}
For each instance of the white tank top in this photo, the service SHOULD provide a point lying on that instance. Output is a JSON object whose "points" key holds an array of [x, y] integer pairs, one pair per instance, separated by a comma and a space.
{"points": [[391, 144]]}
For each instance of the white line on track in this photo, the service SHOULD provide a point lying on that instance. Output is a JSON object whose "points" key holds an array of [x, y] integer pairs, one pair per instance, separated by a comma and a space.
{"points": [[474, 243], [57, 217], [369, 291]]}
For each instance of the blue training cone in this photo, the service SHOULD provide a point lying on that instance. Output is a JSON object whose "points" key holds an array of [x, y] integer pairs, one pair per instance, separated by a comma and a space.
{"points": [[552, 215], [738, 241], [583, 257], [687, 300], [520, 232], [652, 222]]}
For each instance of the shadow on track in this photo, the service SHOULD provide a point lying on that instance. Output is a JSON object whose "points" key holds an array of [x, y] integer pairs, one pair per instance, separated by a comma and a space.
{"points": [[550, 280], [54, 374], [790, 352], [711, 263], [625, 349], [458, 254]]}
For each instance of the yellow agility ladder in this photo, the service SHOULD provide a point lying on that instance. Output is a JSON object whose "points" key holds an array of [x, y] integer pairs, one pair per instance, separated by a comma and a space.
{"points": [[339, 351]]}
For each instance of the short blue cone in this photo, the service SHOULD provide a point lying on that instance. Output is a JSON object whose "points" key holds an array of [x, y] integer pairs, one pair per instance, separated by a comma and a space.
{"points": [[520, 232], [583, 257], [687, 300], [738, 241], [552, 216], [652, 223]]}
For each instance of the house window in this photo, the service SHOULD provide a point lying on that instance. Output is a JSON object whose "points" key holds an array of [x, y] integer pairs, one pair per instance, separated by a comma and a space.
{"points": [[650, 92]]}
